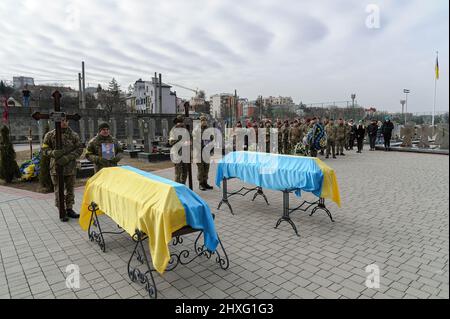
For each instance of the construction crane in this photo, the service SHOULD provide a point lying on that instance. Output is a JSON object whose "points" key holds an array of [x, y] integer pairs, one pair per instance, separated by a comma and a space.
{"points": [[184, 87]]}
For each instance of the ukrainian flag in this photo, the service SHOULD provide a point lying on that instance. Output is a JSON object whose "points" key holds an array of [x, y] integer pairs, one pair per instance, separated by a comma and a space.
{"points": [[135, 199], [437, 68]]}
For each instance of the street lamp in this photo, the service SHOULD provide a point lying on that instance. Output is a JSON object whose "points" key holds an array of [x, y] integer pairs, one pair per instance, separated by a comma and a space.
{"points": [[353, 96], [406, 91], [402, 102]]}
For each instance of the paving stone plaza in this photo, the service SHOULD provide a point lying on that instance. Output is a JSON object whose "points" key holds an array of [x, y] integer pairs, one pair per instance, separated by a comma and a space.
{"points": [[394, 214]]}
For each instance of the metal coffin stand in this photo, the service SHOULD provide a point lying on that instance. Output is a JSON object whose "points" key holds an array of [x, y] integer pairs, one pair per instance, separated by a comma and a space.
{"points": [[304, 206], [141, 271]]}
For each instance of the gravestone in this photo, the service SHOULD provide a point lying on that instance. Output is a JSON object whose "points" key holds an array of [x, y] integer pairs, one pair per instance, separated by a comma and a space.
{"points": [[406, 134], [152, 129], [147, 141], [113, 126], [165, 131], [130, 130], [82, 131], [141, 129], [396, 132], [91, 128], [424, 131], [442, 138]]}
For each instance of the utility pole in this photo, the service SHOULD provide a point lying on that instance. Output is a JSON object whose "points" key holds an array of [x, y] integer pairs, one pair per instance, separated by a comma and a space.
{"points": [[80, 92], [160, 93], [406, 91], [83, 95], [155, 89], [235, 105]]}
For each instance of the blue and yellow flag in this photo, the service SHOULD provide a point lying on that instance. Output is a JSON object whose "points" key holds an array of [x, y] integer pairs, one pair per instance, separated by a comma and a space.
{"points": [[437, 68]]}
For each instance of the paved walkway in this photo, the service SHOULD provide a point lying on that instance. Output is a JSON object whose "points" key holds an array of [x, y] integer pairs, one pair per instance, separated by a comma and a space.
{"points": [[395, 215]]}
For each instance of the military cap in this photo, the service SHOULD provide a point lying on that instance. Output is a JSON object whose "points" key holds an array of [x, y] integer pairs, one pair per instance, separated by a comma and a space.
{"points": [[178, 119], [103, 126]]}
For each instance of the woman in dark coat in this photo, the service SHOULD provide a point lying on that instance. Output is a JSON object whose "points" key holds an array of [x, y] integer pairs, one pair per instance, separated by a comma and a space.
{"points": [[372, 130], [360, 133]]}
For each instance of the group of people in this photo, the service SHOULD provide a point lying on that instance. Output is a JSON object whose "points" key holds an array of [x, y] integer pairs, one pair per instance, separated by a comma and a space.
{"points": [[103, 150], [319, 135], [298, 137]]}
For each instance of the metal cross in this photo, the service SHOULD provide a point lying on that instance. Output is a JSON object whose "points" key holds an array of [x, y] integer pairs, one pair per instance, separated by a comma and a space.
{"points": [[57, 116]]}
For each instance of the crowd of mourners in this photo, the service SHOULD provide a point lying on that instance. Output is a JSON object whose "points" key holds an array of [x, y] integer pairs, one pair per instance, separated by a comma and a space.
{"points": [[325, 136]]}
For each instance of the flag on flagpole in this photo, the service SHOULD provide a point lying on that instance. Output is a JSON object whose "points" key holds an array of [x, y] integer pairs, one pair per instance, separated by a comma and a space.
{"points": [[437, 68]]}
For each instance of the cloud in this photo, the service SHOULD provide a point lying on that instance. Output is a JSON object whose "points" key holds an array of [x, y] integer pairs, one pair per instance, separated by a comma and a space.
{"points": [[310, 50]]}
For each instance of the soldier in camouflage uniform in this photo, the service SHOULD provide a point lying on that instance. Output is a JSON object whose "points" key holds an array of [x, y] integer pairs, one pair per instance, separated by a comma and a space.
{"points": [[331, 131], [341, 134], [285, 137], [181, 169], [295, 135], [65, 157], [94, 149], [203, 167], [280, 137]]}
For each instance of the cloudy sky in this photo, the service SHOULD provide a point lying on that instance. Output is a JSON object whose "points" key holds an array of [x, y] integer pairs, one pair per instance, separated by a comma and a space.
{"points": [[314, 51]]}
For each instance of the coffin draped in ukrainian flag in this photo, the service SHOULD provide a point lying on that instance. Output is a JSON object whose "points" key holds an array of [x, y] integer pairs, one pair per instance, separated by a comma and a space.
{"points": [[135, 199], [281, 172]]}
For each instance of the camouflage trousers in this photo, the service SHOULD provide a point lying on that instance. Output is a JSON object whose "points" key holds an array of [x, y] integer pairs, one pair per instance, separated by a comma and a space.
{"points": [[181, 173], [285, 147], [331, 146], [340, 146], [69, 184], [203, 171]]}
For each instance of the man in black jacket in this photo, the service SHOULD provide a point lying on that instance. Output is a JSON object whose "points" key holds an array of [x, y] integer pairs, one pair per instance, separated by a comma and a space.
{"points": [[387, 129], [372, 132]]}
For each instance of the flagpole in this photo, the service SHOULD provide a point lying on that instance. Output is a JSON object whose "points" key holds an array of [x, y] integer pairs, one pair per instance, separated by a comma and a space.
{"points": [[435, 90]]}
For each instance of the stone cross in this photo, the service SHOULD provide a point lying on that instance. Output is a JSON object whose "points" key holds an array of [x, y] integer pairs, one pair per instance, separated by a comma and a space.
{"points": [[442, 138], [407, 133], [57, 116], [424, 131]]}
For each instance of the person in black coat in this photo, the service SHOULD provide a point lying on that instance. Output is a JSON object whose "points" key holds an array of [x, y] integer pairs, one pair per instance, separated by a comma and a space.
{"points": [[372, 130], [387, 129], [359, 134]]}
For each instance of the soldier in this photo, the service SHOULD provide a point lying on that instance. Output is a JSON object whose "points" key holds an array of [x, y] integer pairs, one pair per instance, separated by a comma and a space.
{"points": [[181, 169], [280, 137], [203, 167], [98, 146], [340, 137], [65, 157], [295, 135], [331, 131], [268, 127], [351, 134], [285, 129]]}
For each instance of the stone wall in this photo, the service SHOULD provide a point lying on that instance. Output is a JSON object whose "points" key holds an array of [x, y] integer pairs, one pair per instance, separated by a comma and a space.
{"points": [[20, 121]]}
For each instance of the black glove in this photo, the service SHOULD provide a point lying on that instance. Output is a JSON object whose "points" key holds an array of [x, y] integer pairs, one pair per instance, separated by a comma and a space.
{"points": [[63, 160], [103, 162], [57, 153]]}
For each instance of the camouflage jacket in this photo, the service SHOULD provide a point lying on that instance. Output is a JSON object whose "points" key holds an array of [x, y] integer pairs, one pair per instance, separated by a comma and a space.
{"points": [[341, 131], [331, 131], [94, 151], [71, 145], [295, 135]]}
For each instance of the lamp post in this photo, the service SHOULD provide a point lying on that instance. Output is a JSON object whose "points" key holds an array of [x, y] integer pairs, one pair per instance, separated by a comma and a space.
{"points": [[353, 97], [406, 91], [402, 102]]}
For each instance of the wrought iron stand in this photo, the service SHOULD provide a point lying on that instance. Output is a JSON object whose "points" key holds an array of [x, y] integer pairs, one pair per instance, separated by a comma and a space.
{"points": [[225, 194], [319, 205], [142, 272], [304, 206]]}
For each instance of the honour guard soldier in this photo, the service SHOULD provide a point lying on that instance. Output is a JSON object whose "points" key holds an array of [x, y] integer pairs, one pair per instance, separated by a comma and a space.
{"points": [[66, 158], [203, 167], [103, 150], [294, 135], [181, 169], [341, 134], [331, 131]]}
